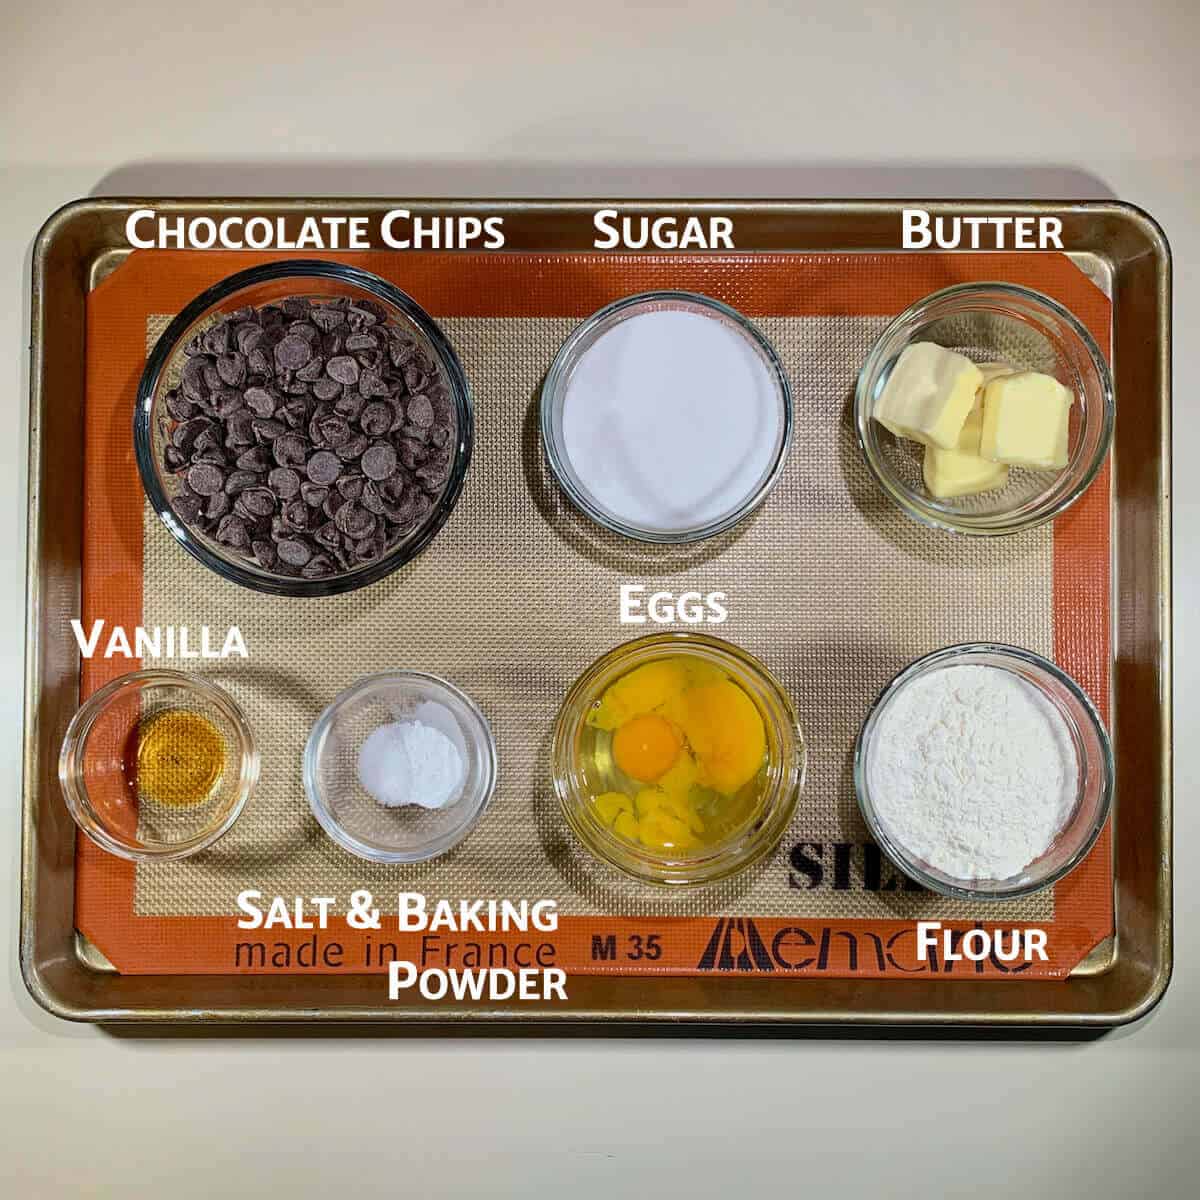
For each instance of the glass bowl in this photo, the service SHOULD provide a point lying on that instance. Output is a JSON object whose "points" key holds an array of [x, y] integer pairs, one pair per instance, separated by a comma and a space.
{"points": [[992, 322], [583, 338], [98, 767], [784, 772], [273, 283], [1093, 757], [350, 814]]}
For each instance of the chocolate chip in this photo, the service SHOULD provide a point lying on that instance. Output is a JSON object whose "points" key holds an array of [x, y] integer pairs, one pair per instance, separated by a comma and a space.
{"points": [[379, 461], [259, 501], [264, 551], [334, 429], [343, 368], [268, 430], [326, 317], [376, 418], [216, 339], [291, 450], [226, 401], [254, 459], [180, 408], [371, 499], [312, 371], [420, 411], [218, 505], [350, 405], [232, 531], [295, 413], [240, 480], [205, 479], [239, 430], [323, 467], [328, 535], [351, 486], [371, 383], [411, 452], [295, 513], [284, 482], [260, 402], [185, 436], [350, 450], [313, 495], [317, 567], [353, 520], [326, 389], [293, 352], [187, 508], [232, 368], [293, 551], [249, 336]]}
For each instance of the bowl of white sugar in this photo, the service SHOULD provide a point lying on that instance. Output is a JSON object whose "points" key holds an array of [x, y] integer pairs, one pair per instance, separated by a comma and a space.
{"points": [[984, 772], [666, 417]]}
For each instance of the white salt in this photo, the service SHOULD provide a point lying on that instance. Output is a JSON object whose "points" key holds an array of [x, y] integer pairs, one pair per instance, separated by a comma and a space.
{"points": [[671, 420], [409, 762]]}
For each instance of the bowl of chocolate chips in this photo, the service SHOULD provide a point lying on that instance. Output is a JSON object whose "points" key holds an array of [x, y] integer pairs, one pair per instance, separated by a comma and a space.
{"points": [[303, 428]]}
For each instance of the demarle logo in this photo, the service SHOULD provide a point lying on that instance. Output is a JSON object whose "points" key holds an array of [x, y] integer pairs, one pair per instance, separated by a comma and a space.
{"points": [[735, 945]]}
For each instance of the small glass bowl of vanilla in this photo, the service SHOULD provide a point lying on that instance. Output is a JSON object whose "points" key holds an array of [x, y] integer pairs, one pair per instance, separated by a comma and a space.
{"points": [[678, 759], [158, 765]]}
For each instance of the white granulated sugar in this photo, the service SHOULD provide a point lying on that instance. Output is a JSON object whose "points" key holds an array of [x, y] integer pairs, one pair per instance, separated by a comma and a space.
{"points": [[409, 762], [972, 770], [671, 420]]}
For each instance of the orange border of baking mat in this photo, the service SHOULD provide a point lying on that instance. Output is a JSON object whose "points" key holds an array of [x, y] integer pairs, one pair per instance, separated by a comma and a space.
{"points": [[572, 285]]}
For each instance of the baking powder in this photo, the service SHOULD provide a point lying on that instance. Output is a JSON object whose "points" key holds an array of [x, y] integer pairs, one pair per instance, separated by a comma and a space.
{"points": [[409, 762], [972, 770]]}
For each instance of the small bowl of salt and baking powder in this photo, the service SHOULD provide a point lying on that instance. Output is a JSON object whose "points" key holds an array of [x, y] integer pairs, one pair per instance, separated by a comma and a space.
{"points": [[400, 767], [984, 772]]}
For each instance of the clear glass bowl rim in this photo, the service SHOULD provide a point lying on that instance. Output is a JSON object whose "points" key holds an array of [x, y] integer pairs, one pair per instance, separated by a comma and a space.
{"points": [[644, 865], [552, 395], [165, 348], [994, 525], [80, 728], [314, 792], [947, 656]]}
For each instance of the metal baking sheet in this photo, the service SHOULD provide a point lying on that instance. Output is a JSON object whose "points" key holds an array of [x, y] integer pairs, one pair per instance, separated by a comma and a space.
{"points": [[1115, 243]]}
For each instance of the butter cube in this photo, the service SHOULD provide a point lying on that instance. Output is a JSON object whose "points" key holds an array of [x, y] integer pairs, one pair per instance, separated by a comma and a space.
{"points": [[992, 370], [1025, 420], [928, 395], [961, 471]]}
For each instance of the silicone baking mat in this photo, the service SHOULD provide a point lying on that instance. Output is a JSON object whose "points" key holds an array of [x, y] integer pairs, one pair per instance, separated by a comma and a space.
{"points": [[829, 584]]}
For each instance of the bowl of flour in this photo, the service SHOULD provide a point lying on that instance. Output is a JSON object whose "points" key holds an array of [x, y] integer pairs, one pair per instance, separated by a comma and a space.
{"points": [[984, 772]]}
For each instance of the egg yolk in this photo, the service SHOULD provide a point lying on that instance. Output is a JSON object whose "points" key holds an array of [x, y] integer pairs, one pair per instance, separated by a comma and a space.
{"points": [[646, 747]]}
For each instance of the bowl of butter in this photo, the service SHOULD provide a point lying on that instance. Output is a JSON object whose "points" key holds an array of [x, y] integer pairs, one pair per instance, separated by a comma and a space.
{"points": [[985, 408]]}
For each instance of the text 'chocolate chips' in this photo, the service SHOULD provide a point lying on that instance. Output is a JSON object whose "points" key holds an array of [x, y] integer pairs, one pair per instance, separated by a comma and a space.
{"points": [[309, 437]]}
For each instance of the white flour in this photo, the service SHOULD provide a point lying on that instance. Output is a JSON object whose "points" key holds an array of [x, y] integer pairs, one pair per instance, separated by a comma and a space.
{"points": [[972, 770]]}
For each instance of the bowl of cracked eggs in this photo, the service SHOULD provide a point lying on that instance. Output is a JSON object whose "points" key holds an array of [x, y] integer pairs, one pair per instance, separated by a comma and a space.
{"points": [[677, 759]]}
